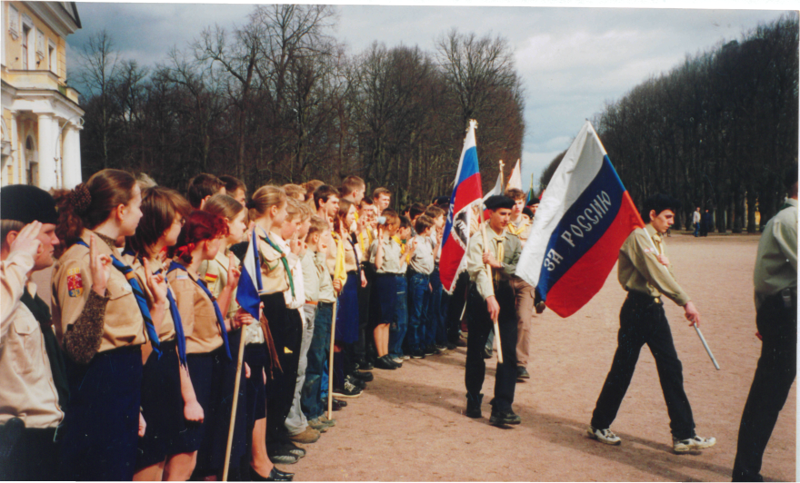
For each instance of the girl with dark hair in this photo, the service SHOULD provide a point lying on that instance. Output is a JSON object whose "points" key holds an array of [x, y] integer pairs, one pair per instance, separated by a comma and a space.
{"points": [[209, 346], [102, 319], [168, 398]]}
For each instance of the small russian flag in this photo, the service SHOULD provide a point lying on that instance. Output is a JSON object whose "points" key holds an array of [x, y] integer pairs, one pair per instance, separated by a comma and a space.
{"points": [[250, 281]]}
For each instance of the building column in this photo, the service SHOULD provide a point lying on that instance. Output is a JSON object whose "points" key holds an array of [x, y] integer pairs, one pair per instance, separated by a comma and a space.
{"points": [[72, 156], [48, 129]]}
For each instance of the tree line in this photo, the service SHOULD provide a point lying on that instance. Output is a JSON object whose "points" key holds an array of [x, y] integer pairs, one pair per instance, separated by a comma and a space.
{"points": [[719, 131], [279, 100]]}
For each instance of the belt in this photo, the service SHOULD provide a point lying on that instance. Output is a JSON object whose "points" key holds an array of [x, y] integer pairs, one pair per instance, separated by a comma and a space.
{"points": [[643, 297], [309, 302]]}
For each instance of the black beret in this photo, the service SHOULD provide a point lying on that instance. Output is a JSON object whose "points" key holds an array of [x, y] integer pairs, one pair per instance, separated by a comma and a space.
{"points": [[25, 203], [499, 201], [527, 211], [441, 200], [534, 201]]}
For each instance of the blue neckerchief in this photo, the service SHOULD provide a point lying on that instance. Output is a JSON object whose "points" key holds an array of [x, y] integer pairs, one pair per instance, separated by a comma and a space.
{"points": [[283, 259], [180, 338], [141, 300], [220, 319]]}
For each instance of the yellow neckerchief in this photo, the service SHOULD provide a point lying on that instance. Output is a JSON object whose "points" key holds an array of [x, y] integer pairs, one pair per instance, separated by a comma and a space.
{"points": [[514, 230], [339, 270], [365, 244], [399, 242], [493, 237]]}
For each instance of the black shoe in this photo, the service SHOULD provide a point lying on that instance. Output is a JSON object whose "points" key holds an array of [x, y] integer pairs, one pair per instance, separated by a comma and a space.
{"points": [[364, 365], [356, 382], [431, 350], [451, 347], [348, 390], [474, 406], [336, 406], [274, 475], [340, 402], [417, 354], [363, 376], [383, 363], [280, 455], [522, 373], [501, 418], [396, 364], [293, 448]]}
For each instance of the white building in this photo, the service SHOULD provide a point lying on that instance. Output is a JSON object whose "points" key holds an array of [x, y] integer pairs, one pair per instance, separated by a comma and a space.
{"points": [[41, 120]]}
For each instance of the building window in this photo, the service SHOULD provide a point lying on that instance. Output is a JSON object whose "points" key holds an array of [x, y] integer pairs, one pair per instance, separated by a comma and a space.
{"points": [[13, 22], [52, 56], [25, 34], [28, 43], [31, 164]]}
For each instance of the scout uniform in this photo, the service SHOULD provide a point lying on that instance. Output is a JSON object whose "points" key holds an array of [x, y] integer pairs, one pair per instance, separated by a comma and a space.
{"points": [[343, 262], [642, 321], [506, 249], [775, 281], [523, 302], [419, 274], [386, 285], [101, 426]]}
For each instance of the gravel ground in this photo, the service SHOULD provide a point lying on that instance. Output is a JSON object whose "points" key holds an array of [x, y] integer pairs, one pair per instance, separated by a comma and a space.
{"points": [[409, 424]]}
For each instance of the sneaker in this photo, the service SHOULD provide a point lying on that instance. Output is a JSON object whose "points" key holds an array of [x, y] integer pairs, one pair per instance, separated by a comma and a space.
{"points": [[603, 435], [442, 348], [522, 373], [418, 354], [695, 443], [349, 390], [363, 376], [328, 422], [431, 350], [398, 361], [308, 436], [356, 382], [318, 425], [294, 449], [501, 418], [406, 357], [279, 455]]}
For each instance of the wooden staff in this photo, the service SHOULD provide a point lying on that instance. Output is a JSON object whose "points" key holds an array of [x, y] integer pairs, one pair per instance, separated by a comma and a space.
{"points": [[502, 178], [239, 364], [330, 361], [491, 283]]}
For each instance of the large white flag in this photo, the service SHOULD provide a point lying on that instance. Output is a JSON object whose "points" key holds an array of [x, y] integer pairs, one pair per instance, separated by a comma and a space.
{"points": [[515, 181]]}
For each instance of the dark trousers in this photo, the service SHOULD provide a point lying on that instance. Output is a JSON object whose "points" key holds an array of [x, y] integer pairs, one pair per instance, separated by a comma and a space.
{"points": [[280, 389], [775, 373], [455, 307], [642, 321], [480, 325], [30, 455], [364, 294]]}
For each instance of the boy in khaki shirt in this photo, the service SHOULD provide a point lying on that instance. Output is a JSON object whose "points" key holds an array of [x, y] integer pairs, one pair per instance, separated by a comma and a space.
{"points": [[33, 386]]}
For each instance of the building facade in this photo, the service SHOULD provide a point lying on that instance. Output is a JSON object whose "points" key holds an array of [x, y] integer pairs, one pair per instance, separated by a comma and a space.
{"points": [[41, 119]]}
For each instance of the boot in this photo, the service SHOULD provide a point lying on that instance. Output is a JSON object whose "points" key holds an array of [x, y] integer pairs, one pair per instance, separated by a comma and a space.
{"points": [[474, 406]]}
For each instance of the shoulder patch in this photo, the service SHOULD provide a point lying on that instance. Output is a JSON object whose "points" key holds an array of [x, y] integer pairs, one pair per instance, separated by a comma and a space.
{"points": [[74, 282], [181, 276]]}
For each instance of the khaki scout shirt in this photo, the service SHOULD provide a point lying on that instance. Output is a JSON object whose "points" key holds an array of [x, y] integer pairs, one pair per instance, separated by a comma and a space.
{"points": [[166, 331], [423, 259], [392, 257], [123, 323], [274, 278], [640, 271], [299, 298], [776, 261], [326, 292], [477, 269], [520, 228], [197, 313], [215, 274], [27, 390], [310, 276]]}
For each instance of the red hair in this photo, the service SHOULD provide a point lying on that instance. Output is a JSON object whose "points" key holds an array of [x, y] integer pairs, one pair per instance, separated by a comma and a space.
{"points": [[199, 227]]}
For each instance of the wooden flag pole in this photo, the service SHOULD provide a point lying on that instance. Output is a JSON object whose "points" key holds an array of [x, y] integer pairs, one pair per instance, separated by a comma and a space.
{"points": [[502, 178], [491, 282], [239, 364], [330, 360]]}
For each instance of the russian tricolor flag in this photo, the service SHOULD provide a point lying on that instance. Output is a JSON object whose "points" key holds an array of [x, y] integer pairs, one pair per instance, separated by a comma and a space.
{"points": [[467, 191], [583, 219], [250, 281]]}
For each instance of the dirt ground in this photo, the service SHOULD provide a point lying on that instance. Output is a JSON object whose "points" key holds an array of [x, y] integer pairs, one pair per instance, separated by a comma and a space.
{"points": [[409, 424]]}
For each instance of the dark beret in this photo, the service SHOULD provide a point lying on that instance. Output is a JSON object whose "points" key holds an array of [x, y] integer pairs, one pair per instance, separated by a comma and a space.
{"points": [[441, 200], [534, 201], [527, 211], [498, 201], [25, 203]]}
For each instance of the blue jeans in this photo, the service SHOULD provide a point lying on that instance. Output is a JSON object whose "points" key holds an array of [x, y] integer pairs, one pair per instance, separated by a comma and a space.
{"points": [[398, 329], [435, 332], [697, 229], [418, 298], [311, 395]]}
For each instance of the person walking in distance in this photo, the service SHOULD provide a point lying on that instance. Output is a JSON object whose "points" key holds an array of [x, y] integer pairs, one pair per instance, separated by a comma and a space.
{"points": [[775, 281], [696, 222], [645, 273]]}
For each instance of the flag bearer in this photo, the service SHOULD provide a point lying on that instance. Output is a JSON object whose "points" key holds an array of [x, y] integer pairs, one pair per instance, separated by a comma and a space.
{"points": [[488, 299], [645, 273]]}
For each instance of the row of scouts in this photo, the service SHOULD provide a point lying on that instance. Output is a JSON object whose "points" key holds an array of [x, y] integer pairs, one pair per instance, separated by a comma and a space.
{"points": [[131, 376]]}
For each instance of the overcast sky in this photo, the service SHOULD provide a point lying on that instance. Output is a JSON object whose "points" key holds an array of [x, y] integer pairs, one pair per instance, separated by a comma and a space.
{"points": [[571, 60]]}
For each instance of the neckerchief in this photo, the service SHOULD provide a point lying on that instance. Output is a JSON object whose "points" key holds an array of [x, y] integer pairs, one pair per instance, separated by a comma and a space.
{"points": [[220, 320], [514, 230], [338, 270], [400, 242], [355, 255], [141, 300], [41, 312], [283, 260]]}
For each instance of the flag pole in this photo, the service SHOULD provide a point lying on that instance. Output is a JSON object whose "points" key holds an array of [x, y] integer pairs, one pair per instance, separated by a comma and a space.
{"points": [[330, 360], [502, 177], [239, 364], [491, 282]]}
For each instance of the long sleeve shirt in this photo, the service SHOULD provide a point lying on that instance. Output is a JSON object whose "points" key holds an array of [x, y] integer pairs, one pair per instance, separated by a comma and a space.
{"points": [[477, 269], [776, 260], [640, 271]]}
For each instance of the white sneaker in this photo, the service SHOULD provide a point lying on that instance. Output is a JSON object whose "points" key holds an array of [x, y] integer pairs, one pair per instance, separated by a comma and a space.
{"points": [[603, 435], [397, 360], [694, 443]]}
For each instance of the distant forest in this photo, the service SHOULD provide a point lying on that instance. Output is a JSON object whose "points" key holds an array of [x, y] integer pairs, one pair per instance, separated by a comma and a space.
{"points": [[719, 131], [279, 100]]}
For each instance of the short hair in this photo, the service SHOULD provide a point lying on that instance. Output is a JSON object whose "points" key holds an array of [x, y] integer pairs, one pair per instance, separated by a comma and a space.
{"points": [[312, 186], [232, 184], [405, 222], [416, 209], [324, 192], [423, 223], [318, 225], [203, 185], [391, 216], [659, 202], [515, 194], [381, 191], [367, 200], [7, 226], [350, 184], [160, 206], [295, 191], [434, 212]]}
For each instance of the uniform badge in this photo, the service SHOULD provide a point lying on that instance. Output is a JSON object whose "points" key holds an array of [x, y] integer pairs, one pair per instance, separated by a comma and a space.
{"points": [[211, 278], [181, 276], [74, 282]]}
